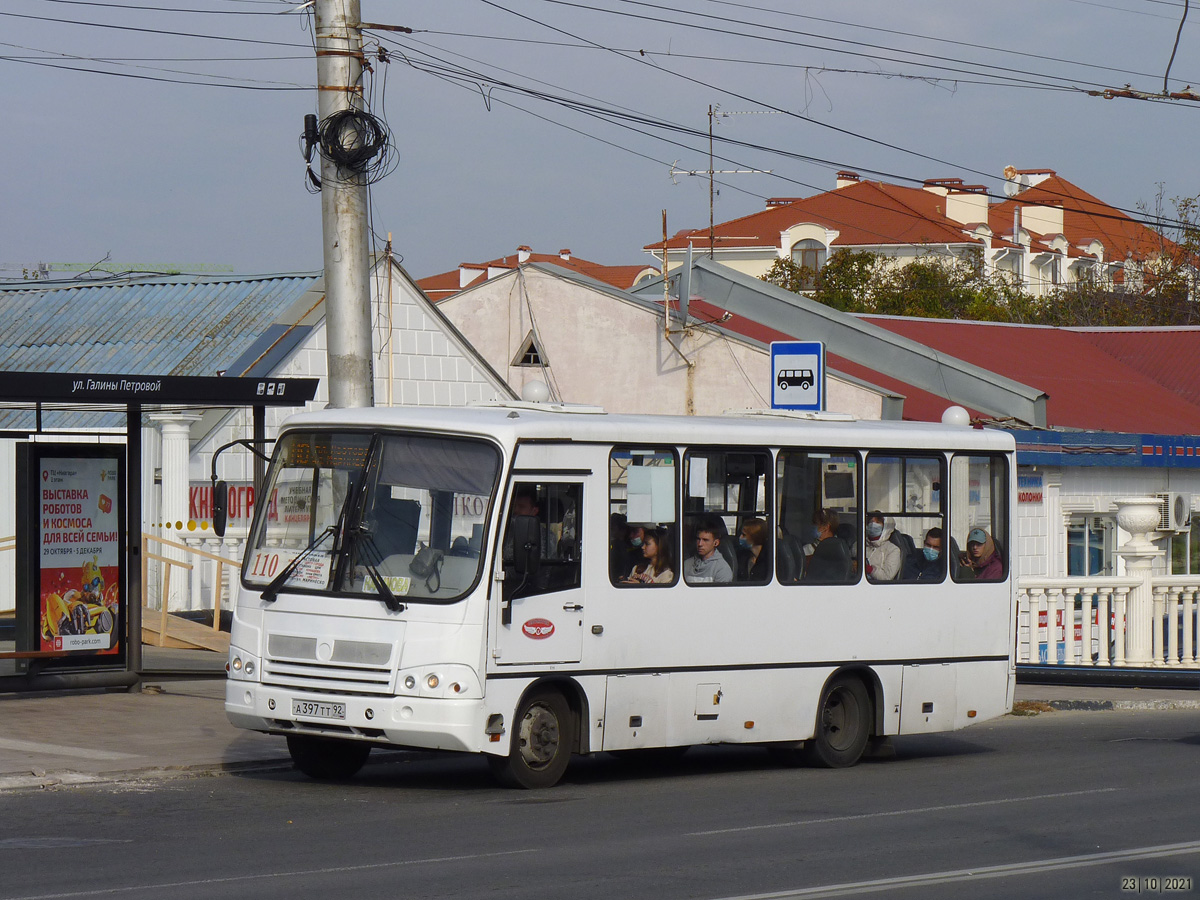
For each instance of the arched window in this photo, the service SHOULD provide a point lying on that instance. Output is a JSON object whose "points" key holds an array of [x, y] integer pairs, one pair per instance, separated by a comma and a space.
{"points": [[809, 255]]}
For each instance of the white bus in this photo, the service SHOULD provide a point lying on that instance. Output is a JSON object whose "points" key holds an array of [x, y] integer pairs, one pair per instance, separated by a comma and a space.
{"points": [[466, 579]]}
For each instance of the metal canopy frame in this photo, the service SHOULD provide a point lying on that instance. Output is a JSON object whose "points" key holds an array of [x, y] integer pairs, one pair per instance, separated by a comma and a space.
{"points": [[134, 392]]}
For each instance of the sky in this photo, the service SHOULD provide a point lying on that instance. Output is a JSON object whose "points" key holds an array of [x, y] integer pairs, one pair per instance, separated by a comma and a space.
{"points": [[164, 134]]}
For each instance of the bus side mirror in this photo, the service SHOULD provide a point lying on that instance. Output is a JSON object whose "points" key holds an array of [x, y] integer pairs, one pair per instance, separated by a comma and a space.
{"points": [[526, 544], [220, 507]]}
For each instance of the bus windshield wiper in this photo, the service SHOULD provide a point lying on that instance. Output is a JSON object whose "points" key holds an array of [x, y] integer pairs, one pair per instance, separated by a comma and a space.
{"points": [[271, 591], [381, 586]]}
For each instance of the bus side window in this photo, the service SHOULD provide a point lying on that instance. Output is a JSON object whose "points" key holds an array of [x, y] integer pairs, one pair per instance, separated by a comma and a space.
{"points": [[817, 487], [726, 499], [643, 537], [557, 508], [904, 491], [979, 518]]}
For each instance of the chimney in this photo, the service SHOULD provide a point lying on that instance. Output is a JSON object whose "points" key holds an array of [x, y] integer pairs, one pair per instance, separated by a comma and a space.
{"points": [[844, 178], [523, 253], [468, 272], [564, 254]]}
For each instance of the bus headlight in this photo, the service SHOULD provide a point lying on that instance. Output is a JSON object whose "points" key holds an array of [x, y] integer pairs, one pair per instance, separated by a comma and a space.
{"points": [[432, 681], [410, 682]]}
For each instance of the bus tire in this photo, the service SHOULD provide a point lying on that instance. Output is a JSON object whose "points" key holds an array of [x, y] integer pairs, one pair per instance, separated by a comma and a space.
{"points": [[843, 724], [543, 735], [327, 758]]}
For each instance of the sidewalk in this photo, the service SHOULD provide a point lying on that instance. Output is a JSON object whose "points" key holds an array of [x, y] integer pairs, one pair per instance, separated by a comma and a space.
{"points": [[177, 727]]}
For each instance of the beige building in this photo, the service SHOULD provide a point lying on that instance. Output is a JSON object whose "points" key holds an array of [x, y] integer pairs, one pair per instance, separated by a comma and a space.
{"points": [[592, 343]]}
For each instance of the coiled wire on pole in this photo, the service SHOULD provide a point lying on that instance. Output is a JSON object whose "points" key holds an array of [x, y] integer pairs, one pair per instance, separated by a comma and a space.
{"points": [[358, 142]]}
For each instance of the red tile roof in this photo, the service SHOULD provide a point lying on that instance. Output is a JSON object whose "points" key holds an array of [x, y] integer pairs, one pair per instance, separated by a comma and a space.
{"points": [[866, 213], [439, 287], [873, 213], [1085, 218]]}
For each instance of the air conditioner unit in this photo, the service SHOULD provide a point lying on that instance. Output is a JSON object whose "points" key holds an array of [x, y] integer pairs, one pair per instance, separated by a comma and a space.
{"points": [[1174, 511]]}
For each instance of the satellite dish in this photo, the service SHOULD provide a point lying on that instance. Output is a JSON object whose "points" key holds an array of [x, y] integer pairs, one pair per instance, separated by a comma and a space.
{"points": [[1011, 187]]}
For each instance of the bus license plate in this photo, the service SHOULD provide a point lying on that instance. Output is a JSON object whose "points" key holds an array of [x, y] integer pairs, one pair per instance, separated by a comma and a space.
{"points": [[314, 710]]}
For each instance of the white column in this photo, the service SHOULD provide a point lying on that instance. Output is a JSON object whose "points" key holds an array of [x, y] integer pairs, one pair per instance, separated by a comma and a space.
{"points": [[173, 505], [1139, 516]]}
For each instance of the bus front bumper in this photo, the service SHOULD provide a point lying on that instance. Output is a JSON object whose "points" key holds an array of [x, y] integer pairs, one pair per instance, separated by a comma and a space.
{"points": [[419, 722]]}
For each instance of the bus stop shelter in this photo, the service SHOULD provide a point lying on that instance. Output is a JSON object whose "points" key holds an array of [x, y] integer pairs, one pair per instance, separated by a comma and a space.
{"points": [[75, 500]]}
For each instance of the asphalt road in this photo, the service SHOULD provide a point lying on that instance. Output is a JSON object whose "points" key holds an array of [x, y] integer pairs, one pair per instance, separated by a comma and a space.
{"points": [[1062, 805]]}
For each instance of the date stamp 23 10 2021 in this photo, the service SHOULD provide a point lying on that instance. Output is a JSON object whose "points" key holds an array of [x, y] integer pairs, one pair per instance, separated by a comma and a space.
{"points": [[1156, 884]]}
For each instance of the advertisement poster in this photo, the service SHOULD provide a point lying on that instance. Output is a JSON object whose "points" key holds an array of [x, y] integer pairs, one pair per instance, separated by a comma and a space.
{"points": [[79, 554]]}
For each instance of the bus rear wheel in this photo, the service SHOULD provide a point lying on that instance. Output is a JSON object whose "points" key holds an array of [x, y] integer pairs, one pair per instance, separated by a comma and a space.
{"points": [[543, 735], [843, 724], [327, 758]]}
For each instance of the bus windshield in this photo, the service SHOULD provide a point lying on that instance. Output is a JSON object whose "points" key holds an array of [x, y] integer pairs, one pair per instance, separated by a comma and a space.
{"points": [[348, 510]]}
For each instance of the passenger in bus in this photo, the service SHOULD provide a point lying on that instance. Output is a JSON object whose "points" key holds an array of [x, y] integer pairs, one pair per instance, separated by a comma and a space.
{"points": [[926, 564], [708, 565], [884, 560], [830, 561], [655, 567], [524, 503], [982, 557], [754, 560]]}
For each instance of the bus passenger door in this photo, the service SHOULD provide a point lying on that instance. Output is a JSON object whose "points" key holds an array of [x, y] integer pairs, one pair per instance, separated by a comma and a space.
{"points": [[537, 591]]}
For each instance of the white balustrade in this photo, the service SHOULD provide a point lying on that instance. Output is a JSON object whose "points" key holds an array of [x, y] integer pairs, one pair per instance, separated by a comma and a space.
{"points": [[1099, 607]]}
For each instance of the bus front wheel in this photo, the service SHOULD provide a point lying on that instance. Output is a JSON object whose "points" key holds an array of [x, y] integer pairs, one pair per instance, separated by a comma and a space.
{"points": [[543, 735], [843, 724], [327, 758]]}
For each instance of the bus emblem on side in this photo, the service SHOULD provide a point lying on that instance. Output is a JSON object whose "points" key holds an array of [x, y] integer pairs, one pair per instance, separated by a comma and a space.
{"points": [[538, 629]]}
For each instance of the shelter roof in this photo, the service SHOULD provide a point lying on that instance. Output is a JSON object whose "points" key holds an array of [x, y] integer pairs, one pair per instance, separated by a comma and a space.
{"points": [[161, 325]]}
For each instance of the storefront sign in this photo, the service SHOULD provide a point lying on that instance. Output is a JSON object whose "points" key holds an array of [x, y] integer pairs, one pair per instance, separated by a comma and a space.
{"points": [[1029, 488]]}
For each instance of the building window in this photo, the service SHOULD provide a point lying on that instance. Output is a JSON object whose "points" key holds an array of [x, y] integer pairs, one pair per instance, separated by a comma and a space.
{"points": [[529, 355], [1091, 544], [1185, 550], [809, 255]]}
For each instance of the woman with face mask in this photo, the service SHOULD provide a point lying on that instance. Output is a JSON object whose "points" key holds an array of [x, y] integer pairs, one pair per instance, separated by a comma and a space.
{"points": [[754, 562], [883, 557]]}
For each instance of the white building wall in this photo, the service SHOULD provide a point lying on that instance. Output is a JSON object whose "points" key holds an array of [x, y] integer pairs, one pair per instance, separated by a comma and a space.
{"points": [[603, 350], [1088, 490]]}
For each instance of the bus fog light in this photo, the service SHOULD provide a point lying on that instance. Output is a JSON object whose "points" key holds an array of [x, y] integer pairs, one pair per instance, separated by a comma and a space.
{"points": [[249, 698], [410, 682], [271, 703], [432, 681], [406, 712], [370, 714]]}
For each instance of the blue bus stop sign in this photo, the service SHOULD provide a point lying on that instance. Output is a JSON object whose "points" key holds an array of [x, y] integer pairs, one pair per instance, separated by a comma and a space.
{"points": [[798, 375]]}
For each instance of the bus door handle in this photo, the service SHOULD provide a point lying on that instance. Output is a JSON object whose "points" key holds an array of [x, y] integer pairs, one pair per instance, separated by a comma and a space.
{"points": [[572, 607]]}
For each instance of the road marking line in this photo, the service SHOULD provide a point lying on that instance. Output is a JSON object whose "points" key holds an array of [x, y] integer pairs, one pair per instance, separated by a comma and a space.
{"points": [[61, 750], [291, 873], [984, 872], [901, 812]]}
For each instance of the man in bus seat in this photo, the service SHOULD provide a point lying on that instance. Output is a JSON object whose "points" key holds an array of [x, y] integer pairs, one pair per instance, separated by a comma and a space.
{"points": [[884, 560], [708, 565], [927, 563], [830, 561]]}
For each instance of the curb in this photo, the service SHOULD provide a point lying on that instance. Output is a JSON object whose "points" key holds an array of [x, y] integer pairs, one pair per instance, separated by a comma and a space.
{"points": [[1107, 705], [43, 780]]}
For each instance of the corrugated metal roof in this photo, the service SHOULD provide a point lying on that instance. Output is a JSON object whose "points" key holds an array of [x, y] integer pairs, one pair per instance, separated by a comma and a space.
{"points": [[164, 325]]}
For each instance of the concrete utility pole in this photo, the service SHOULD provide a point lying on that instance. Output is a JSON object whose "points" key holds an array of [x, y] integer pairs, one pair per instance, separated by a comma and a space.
{"points": [[344, 211]]}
